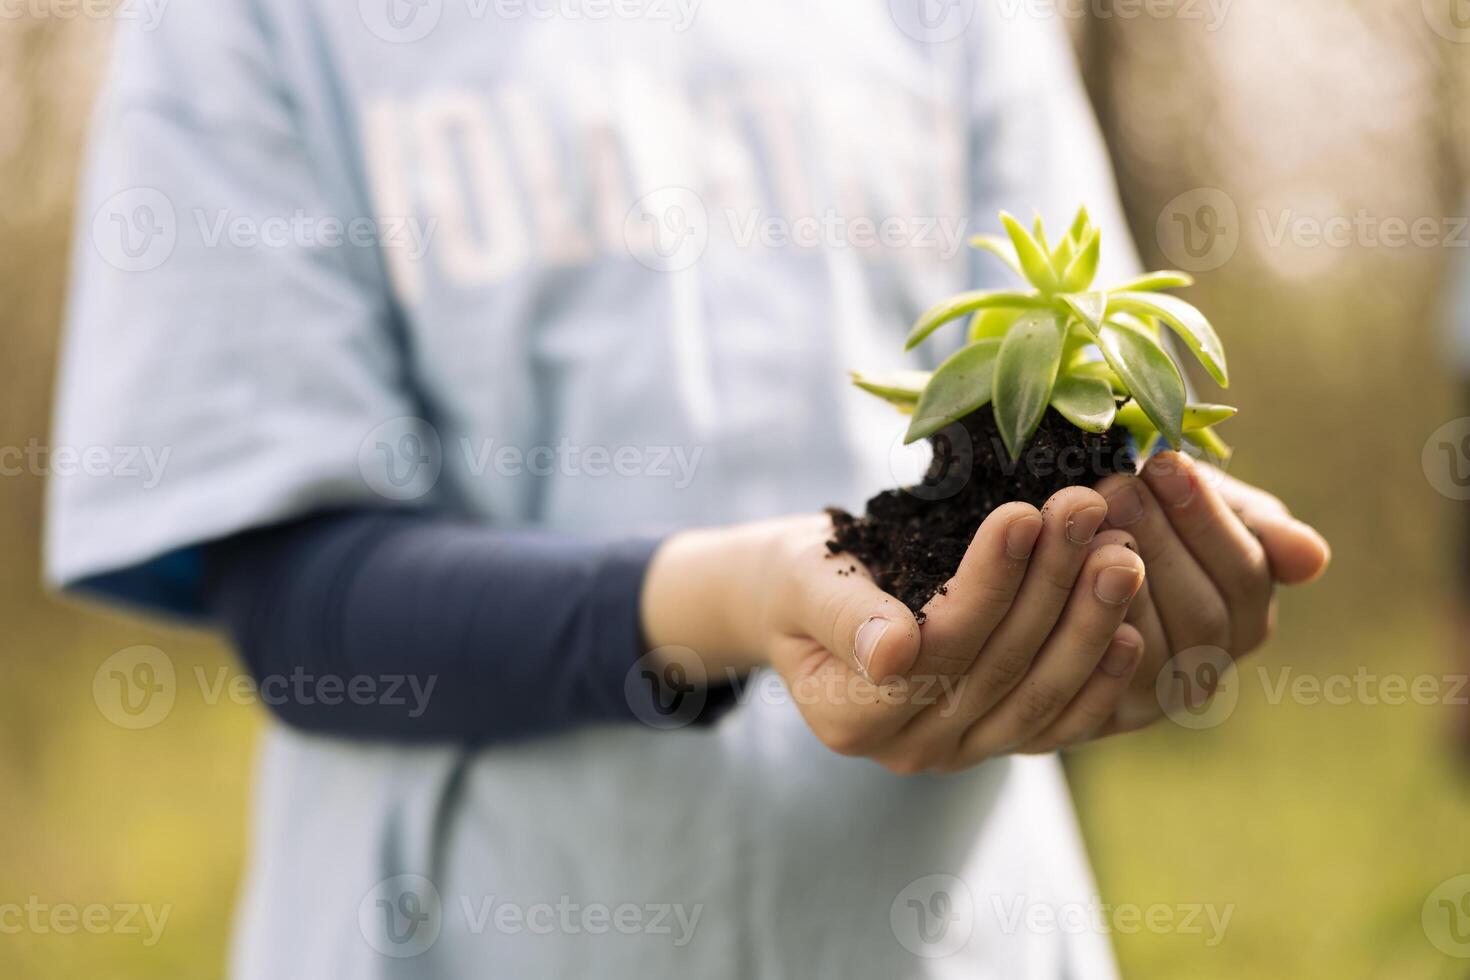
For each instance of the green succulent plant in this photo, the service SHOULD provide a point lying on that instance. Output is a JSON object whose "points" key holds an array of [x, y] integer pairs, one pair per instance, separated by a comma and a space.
{"points": [[1034, 347]]}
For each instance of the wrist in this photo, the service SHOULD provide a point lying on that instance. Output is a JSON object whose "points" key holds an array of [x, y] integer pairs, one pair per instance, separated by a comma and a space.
{"points": [[706, 589]]}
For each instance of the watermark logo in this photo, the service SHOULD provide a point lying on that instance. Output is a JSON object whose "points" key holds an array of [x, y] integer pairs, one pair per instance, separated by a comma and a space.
{"points": [[148, 14], [1450, 19], [39, 918], [667, 688], [402, 916], [1199, 230], [1446, 917], [667, 230], [1207, 921], [1198, 688], [400, 21], [934, 916], [135, 230], [932, 21], [401, 459], [1446, 459], [936, 468], [135, 688]]}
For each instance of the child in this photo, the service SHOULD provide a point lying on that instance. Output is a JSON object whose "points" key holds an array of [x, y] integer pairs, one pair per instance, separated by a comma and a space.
{"points": [[425, 302]]}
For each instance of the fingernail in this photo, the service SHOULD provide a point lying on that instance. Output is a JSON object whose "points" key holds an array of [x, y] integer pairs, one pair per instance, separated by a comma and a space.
{"points": [[1125, 506], [866, 644], [1021, 536], [1120, 658], [1116, 584], [1173, 479], [1082, 525]]}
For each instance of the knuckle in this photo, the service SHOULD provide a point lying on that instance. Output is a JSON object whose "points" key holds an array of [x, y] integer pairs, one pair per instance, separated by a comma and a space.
{"points": [[1036, 704], [1212, 622], [1057, 576], [996, 592], [1005, 669]]}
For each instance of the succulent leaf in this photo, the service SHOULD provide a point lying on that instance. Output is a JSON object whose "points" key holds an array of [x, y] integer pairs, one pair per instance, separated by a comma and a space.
{"points": [[1035, 263], [992, 323], [1207, 440], [1152, 281], [1025, 373], [1090, 308], [1080, 225], [1001, 248], [1100, 371], [1085, 402], [964, 303], [898, 388], [1189, 323], [959, 386], [1083, 268], [1148, 373]]}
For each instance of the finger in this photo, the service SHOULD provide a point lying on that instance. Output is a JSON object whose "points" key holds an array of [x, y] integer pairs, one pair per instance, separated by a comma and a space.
{"points": [[1190, 607], [866, 629], [959, 619], [1093, 614], [1069, 521], [1139, 705], [1100, 695], [1229, 553], [1296, 551]]}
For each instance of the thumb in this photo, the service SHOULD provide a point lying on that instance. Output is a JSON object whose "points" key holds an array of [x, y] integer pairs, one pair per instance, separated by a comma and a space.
{"points": [[1297, 552], [860, 624]]}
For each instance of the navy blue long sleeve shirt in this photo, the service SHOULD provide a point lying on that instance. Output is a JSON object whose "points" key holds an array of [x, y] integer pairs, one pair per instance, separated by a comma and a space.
{"points": [[433, 629]]}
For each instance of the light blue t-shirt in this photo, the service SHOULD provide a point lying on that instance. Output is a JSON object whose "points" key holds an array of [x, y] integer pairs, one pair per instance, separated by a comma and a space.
{"points": [[594, 265]]}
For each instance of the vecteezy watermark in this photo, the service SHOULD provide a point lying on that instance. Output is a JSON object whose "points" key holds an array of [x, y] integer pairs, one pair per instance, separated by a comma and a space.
{"points": [[933, 916], [1450, 19], [138, 229], [667, 230], [1361, 229], [39, 918], [1445, 916], [676, 464], [407, 21], [403, 916], [1021, 915], [1199, 230], [300, 229], [1446, 459], [668, 688], [1211, 13], [148, 13], [403, 458], [943, 235], [1198, 688], [143, 463], [670, 229], [137, 688], [1362, 686], [932, 21]]}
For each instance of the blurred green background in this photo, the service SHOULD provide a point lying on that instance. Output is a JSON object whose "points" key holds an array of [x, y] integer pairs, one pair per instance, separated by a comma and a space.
{"points": [[1323, 827]]}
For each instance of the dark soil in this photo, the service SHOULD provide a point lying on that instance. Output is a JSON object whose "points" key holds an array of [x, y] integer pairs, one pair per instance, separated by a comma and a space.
{"points": [[912, 539]]}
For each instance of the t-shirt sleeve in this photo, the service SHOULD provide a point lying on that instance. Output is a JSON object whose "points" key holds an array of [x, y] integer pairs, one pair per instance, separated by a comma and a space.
{"points": [[231, 354]]}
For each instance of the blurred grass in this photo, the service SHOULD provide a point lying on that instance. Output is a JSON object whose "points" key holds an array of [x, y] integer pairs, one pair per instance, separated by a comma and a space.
{"points": [[1324, 826]]}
